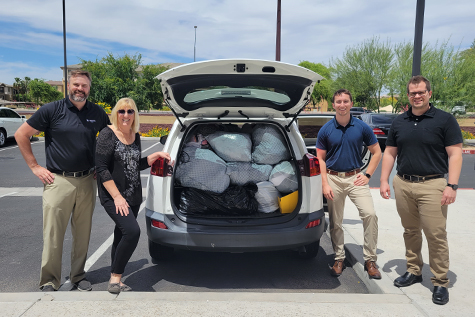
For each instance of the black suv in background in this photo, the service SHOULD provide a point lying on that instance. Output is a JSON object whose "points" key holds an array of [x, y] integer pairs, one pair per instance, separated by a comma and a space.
{"points": [[380, 123]]}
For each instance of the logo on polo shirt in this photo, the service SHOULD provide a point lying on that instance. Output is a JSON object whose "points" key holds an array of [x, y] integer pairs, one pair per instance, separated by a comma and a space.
{"points": [[91, 120]]}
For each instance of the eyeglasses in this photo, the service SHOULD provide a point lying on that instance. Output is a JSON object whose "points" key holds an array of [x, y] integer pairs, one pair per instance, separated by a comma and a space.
{"points": [[129, 111], [415, 93]]}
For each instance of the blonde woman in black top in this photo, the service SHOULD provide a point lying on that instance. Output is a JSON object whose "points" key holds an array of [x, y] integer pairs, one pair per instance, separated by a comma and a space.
{"points": [[118, 166]]}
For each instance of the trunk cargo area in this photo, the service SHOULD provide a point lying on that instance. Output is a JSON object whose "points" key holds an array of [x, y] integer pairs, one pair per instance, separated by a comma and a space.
{"points": [[236, 171]]}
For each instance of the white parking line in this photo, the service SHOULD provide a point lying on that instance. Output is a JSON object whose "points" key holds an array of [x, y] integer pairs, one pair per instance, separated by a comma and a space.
{"points": [[103, 248], [150, 147], [14, 147], [13, 193]]}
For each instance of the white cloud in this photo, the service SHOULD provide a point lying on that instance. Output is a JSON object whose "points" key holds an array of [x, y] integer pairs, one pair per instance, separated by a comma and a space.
{"points": [[163, 30], [8, 71]]}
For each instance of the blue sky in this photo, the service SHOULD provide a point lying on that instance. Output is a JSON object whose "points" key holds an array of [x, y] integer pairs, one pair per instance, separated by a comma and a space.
{"points": [[31, 39]]}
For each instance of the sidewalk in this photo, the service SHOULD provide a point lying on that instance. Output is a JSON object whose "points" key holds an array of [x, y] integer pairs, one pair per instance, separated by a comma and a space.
{"points": [[391, 255], [385, 300]]}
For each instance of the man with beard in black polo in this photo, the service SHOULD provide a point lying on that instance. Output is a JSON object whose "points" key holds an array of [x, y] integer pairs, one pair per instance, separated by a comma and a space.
{"points": [[70, 127]]}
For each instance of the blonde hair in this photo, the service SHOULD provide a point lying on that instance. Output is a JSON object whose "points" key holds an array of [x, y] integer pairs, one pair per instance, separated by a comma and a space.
{"points": [[126, 103]]}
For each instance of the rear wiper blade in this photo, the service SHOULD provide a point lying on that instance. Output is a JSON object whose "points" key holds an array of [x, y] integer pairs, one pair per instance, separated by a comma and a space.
{"points": [[224, 114], [242, 114]]}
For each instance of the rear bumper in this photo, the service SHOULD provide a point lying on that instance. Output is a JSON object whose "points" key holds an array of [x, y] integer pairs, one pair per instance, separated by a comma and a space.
{"points": [[182, 235]]}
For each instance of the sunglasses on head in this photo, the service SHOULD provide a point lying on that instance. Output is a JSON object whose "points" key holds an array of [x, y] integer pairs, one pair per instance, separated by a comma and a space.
{"points": [[129, 111]]}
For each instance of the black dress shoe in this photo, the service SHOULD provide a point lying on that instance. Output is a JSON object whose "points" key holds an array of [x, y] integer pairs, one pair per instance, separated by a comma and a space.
{"points": [[407, 280], [440, 295]]}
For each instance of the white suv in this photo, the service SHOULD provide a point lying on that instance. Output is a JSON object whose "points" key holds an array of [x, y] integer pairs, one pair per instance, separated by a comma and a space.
{"points": [[243, 179], [10, 121]]}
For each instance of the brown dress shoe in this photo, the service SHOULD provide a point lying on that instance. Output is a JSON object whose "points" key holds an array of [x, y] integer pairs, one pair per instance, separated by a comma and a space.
{"points": [[337, 268], [373, 271]]}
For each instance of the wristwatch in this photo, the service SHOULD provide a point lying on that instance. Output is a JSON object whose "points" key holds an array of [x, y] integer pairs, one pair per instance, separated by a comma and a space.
{"points": [[367, 175], [454, 186]]}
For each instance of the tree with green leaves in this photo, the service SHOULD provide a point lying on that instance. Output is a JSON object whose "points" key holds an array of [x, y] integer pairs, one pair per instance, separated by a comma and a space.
{"points": [[323, 89], [21, 86], [148, 90], [117, 77], [364, 70], [43, 93]]}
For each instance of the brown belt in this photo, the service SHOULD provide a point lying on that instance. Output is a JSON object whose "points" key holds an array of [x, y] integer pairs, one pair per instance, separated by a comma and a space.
{"points": [[344, 174]]}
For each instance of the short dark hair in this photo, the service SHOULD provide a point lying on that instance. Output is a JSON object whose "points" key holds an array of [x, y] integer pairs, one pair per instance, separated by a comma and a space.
{"points": [[79, 72], [341, 92], [417, 80]]}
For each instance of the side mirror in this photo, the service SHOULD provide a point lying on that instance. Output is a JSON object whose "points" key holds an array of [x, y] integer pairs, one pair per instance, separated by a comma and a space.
{"points": [[163, 139], [23, 117]]}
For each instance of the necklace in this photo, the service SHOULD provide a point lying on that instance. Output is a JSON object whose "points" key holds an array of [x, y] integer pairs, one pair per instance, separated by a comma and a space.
{"points": [[125, 138]]}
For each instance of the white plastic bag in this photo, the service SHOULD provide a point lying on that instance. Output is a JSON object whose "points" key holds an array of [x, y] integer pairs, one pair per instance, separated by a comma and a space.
{"points": [[283, 177], [267, 196]]}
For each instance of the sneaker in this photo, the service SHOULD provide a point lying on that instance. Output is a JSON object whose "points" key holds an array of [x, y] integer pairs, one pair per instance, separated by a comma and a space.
{"points": [[84, 285], [47, 288]]}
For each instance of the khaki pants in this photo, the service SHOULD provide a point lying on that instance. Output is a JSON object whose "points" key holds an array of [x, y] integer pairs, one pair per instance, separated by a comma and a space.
{"points": [[361, 197], [66, 198], [418, 205]]}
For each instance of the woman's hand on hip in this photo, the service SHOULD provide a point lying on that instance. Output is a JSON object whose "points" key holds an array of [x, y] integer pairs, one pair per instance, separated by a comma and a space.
{"points": [[121, 205]]}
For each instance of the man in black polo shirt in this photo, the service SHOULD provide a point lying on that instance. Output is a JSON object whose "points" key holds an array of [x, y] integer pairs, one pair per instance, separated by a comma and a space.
{"points": [[339, 145], [428, 144], [70, 127]]}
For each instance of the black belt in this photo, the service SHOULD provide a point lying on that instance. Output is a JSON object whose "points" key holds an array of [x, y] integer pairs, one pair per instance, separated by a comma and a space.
{"points": [[417, 178], [73, 174], [343, 174]]}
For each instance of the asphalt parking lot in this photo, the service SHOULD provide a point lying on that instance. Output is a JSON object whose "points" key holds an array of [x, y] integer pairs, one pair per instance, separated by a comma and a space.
{"points": [[21, 231]]}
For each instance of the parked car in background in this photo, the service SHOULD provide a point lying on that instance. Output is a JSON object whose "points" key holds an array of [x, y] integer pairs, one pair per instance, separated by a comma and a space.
{"points": [[224, 109], [10, 121], [458, 110], [356, 111], [380, 123]]}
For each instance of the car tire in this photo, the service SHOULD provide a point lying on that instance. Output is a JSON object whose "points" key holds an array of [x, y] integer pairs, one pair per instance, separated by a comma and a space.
{"points": [[308, 251], [3, 137], [159, 252]]}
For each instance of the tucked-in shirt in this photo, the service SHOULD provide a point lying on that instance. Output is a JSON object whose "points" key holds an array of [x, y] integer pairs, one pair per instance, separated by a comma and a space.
{"points": [[70, 134], [421, 141], [121, 163], [344, 144]]}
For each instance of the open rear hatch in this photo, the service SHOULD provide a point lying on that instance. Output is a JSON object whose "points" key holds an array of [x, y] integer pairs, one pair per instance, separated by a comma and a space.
{"points": [[245, 88]]}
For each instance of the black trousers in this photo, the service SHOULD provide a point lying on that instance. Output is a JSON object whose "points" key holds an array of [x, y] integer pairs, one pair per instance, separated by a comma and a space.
{"points": [[126, 236]]}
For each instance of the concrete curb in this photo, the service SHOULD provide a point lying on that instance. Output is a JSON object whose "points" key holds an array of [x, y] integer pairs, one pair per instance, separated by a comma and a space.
{"points": [[354, 256]]}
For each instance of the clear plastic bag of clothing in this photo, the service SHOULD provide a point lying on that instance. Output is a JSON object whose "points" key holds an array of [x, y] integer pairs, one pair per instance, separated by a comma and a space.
{"points": [[267, 197], [283, 177], [235, 200], [201, 169], [231, 147], [269, 146], [241, 173]]}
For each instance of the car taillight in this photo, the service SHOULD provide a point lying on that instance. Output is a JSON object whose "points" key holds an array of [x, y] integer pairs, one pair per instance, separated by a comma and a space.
{"points": [[378, 131], [312, 224], [159, 224], [160, 168], [309, 165]]}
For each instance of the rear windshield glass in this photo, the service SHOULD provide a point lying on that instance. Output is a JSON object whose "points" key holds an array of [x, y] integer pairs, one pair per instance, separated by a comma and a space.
{"points": [[273, 95], [280, 92], [384, 119]]}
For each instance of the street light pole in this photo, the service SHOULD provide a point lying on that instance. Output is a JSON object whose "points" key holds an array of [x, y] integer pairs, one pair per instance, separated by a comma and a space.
{"points": [[277, 42], [65, 70], [194, 54], [417, 53]]}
